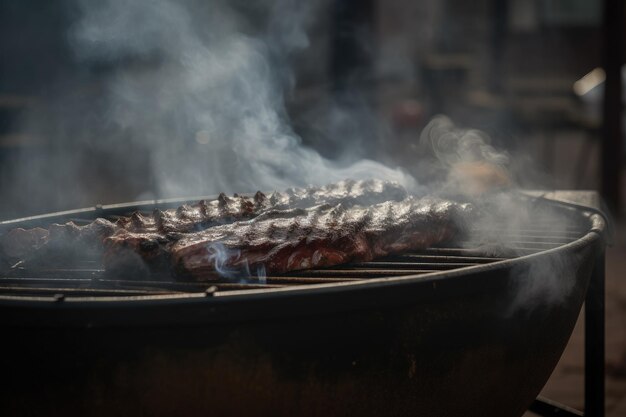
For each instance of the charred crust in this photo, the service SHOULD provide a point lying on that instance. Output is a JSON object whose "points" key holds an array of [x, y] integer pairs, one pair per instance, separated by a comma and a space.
{"points": [[136, 219], [182, 211], [158, 217], [259, 197], [173, 236], [157, 213], [104, 227], [222, 200], [204, 208], [246, 207]]}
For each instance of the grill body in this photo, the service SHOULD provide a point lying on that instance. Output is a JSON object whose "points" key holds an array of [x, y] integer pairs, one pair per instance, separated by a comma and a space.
{"points": [[452, 343]]}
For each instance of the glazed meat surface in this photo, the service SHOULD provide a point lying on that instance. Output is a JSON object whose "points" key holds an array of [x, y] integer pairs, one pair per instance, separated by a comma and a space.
{"points": [[279, 241], [166, 225], [225, 209]]}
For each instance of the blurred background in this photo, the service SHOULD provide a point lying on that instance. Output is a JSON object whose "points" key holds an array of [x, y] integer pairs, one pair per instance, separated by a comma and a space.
{"points": [[532, 74], [528, 73]]}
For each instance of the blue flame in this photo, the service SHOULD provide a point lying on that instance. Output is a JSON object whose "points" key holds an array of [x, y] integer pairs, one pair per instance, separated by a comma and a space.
{"points": [[229, 264]]}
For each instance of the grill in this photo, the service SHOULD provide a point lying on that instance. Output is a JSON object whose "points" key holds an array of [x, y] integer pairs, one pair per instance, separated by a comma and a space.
{"points": [[86, 277], [395, 336]]}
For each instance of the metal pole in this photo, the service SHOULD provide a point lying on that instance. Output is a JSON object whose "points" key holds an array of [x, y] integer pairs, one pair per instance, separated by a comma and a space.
{"points": [[594, 341], [612, 150]]}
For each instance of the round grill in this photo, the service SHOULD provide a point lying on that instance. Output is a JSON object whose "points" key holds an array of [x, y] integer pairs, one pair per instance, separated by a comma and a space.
{"points": [[438, 332]]}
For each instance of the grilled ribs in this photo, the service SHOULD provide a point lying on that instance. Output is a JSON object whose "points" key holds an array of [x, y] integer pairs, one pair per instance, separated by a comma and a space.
{"points": [[168, 225], [279, 241], [297, 229], [21, 243]]}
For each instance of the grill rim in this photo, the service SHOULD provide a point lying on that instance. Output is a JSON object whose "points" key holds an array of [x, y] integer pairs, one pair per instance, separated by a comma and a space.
{"points": [[253, 304]]}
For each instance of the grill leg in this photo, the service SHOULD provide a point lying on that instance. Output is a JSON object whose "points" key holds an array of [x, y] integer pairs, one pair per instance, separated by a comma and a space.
{"points": [[594, 342]]}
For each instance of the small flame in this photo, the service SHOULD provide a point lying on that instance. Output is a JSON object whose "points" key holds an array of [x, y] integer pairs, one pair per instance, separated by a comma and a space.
{"points": [[261, 274], [230, 264]]}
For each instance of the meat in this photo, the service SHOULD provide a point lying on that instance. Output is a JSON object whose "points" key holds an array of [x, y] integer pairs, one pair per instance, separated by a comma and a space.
{"points": [[225, 209], [161, 226], [23, 243], [279, 241], [296, 229], [189, 218], [18, 242]]}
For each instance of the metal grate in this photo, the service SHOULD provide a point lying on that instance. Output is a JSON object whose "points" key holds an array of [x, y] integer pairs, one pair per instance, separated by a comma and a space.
{"points": [[87, 278]]}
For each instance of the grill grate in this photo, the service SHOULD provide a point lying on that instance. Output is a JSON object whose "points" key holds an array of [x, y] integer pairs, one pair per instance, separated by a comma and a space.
{"points": [[89, 279]]}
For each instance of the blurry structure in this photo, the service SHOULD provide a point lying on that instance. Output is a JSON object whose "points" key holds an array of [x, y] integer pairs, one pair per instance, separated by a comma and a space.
{"points": [[613, 130]]}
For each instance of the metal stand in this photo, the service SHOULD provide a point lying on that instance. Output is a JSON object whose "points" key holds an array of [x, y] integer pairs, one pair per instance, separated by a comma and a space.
{"points": [[594, 354]]}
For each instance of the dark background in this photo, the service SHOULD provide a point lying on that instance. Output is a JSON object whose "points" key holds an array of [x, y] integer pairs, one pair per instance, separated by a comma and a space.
{"points": [[506, 67]]}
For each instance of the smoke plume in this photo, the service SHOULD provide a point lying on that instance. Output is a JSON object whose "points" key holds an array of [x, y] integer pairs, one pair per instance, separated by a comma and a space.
{"points": [[207, 103]]}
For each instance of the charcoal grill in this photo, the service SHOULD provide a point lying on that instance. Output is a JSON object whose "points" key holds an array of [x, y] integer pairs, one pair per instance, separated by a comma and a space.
{"points": [[439, 332]]}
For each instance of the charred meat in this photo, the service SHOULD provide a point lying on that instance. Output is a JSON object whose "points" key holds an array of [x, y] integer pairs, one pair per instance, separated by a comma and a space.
{"points": [[167, 225], [279, 241]]}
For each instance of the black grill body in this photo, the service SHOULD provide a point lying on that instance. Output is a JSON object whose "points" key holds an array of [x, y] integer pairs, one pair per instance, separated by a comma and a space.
{"points": [[449, 342]]}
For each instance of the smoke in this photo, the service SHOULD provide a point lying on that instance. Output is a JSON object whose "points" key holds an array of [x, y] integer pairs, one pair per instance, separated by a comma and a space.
{"points": [[169, 98], [517, 226], [452, 145], [544, 282], [461, 161], [204, 94], [469, 167]]}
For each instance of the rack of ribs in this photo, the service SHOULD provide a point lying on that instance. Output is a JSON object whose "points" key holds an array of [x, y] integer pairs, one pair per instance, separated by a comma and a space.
{"points": [[279, 241], [169, 225]]}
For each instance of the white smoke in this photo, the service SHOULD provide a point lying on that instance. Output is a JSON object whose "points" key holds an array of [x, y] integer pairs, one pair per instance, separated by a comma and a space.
{"points": [[452, 145], [511, 222], [204, 95]]}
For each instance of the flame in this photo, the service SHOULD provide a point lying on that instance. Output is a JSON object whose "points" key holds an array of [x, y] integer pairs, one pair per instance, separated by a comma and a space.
{"points": [[232, 264]]}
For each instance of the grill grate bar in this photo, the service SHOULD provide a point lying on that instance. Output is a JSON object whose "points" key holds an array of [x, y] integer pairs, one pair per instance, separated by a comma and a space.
{"points": [[573, 233], [81, 273], [386, 267], [30, 290], [508, 240], [169, 286], [211, 277], [409, 258], [519, 244], [164, 290], [361, 273], [228, 286], [482, 251], [158, 286], [534, 235]]}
